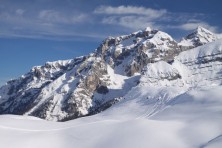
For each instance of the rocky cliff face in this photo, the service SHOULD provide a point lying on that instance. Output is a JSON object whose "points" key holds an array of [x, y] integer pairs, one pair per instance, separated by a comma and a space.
{"points": [[64, 90]]}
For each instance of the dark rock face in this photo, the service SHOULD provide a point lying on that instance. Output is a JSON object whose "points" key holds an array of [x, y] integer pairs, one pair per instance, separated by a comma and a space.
{"points": [[102, 89], [105, 105]]}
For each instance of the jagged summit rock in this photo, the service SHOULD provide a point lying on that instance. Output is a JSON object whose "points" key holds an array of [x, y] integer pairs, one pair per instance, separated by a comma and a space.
{"points": [[148, 29], [86, 85], [144, 45], [199, 37]]}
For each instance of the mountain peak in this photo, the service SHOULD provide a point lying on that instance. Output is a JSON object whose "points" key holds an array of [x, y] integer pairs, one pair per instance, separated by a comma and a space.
{"points": [[200, 30], [198, 37], [148, 29]]}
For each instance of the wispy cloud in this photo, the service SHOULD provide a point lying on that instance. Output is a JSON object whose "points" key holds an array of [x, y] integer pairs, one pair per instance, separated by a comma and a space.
{"points": [[19, 12], [122, 10], [45, 24], [130, 16], [135, 18], [193, 24], [58, 17], [95, 22], [133, 22]]}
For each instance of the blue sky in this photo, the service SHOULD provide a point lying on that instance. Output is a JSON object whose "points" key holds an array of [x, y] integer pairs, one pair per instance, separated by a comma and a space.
{"points": [[33, 32]]}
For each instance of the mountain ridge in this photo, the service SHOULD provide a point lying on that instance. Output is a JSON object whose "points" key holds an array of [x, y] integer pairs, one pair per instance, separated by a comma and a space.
{"points": [[86, 85]]}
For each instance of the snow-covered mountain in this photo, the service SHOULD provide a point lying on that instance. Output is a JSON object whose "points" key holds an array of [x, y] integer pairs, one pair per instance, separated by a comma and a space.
{"points": [[199, 37], [147, 66], [143, 90]]}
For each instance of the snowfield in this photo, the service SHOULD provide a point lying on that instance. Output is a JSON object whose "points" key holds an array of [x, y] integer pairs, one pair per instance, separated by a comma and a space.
{"points": [[190, 120]]}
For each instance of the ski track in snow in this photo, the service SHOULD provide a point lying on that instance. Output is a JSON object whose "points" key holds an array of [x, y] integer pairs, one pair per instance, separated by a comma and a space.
{"points": [[212, 141], [57, 129]]}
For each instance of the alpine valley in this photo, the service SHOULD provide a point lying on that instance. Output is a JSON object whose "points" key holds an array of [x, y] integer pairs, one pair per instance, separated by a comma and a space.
{"points": [[144, 89]]}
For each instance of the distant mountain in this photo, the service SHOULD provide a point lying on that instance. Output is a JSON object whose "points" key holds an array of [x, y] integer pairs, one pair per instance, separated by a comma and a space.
{"points": [[87, 85], [199, 37]]}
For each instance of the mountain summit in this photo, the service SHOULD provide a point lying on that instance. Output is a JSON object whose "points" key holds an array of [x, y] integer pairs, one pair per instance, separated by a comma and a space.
{"points": [[119, 69], [199, 37]]}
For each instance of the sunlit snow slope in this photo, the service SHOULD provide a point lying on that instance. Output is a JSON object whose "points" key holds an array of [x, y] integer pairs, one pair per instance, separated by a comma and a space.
{"points": [[191, 120]]}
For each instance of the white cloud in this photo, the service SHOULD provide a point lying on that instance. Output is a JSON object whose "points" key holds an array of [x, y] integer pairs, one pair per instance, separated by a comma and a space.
{"points": [[60, 23], [193, 24], [58, 17], [19, 12], [48, 14], [79, 18], [140, 17], [127, 10], [130, 16], [133, 22], [52, 16], [43, 24]]}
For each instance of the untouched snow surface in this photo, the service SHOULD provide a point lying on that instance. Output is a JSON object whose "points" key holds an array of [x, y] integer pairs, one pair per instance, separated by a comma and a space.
{"points": [[190, 120]]}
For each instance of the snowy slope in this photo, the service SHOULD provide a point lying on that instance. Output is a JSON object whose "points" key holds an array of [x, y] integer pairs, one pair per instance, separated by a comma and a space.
{"points": [[191, 120]]}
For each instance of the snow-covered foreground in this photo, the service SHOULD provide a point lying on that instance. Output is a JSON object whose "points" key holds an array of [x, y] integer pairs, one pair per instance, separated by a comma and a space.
{"points": [[190, 120]]}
